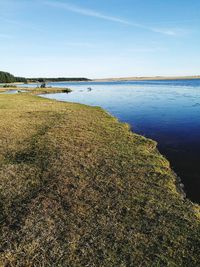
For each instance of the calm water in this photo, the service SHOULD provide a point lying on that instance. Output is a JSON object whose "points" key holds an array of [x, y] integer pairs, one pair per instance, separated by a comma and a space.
{"points": [[166, 111]]}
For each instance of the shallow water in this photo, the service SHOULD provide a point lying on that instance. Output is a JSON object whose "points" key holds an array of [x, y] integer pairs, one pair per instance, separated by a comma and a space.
{"points": [[10, 92], [166, 111]]}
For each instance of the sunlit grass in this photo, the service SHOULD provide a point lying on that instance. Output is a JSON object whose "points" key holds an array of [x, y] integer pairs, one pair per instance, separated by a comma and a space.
{"points": [[77, 188]]}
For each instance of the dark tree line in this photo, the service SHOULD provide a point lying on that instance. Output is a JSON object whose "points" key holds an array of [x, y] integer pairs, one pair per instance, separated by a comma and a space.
{"points": [[62, 79], [6, 77]]}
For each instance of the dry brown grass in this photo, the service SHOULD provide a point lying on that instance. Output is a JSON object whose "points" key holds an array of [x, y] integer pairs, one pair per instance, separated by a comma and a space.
{"points": [[37, 91], [77, 188]]}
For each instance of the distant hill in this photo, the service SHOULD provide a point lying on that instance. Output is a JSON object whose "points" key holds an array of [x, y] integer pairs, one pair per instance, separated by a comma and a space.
{"points": [[6, 77]]}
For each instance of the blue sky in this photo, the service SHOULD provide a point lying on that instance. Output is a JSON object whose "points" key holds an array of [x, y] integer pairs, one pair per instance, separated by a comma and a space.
{"points": [[100, 38]]}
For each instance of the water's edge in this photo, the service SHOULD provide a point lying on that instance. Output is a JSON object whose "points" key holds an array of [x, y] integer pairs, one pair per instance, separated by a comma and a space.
{"points": [[178, 182]]}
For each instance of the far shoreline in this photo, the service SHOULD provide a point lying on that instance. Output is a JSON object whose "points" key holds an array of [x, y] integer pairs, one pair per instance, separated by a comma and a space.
{"points": [[151, 78], [119, 79]]}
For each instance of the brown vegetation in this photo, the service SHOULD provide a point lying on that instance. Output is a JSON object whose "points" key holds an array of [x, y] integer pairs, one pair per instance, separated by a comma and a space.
{"points": [[77, 188]]}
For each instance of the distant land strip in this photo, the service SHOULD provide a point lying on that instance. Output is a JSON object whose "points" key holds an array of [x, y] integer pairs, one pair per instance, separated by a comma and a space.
{"points": [[6, 77], [153, 78]]}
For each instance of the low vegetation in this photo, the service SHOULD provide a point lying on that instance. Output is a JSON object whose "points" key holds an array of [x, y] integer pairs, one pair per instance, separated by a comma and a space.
{"points": [[9, 86], [37, 91], [78, 188], [48, 90]]}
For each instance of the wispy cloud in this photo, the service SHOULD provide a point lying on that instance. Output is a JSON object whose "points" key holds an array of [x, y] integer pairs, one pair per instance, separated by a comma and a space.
{"points": [[171, 31], [86, 12], [96, 14]]}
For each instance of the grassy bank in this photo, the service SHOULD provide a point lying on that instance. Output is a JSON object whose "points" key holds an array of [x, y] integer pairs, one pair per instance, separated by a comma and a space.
{"points": [[77, 188], [36, 91]]}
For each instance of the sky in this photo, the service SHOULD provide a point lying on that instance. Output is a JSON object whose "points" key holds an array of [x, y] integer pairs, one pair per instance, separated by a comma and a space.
{"points": [[100, 38]]}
